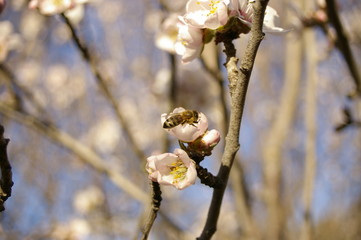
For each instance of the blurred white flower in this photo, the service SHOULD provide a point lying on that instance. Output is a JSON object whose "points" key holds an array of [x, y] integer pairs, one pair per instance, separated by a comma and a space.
{"points": [[76, 228], [105, 134], [190, 41], [88, 199], [52, 7], [167, 35], [31, 25], [8, 39], [75, 14]]}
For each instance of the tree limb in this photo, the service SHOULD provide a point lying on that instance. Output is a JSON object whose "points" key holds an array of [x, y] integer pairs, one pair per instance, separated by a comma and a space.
{"points": [[6, 181], [239, 84]]}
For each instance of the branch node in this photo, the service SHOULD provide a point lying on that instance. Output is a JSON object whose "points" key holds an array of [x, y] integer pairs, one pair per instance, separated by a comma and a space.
{"points": [[208, 178]]}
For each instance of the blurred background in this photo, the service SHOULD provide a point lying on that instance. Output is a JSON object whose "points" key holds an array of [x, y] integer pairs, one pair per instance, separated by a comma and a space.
{"points": [[79, 143]]}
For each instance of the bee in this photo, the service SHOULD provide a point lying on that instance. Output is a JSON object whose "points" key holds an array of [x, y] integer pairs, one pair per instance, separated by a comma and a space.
{"points": [[174, 119]]}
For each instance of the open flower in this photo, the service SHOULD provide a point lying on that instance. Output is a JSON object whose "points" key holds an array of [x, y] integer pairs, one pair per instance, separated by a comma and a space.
{"points": [[244, 11], [190, 41], [175, 169], [206, 13], [187, 132], [168, 33]]}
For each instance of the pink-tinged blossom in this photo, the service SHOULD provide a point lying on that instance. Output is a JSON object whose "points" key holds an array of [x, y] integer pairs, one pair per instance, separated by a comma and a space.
{"points": [[206, 13], [190, 41], [243, 9], [187, 132], [204, 145], [175, 169], [168, 33], [211, 138], [52, 7]]}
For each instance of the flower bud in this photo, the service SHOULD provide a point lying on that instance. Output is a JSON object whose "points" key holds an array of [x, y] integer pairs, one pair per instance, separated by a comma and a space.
{"points": [[204, 145], [211, 138]]}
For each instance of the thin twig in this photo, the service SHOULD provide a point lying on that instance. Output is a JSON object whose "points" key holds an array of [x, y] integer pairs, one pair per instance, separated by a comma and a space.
{"points": [[343, 44], [238, 96], [82, 151], [310, 124], [238, 181], [19, 90], [6, 181], [207, 178], [102, 83], [156, 200], [277, 136]]}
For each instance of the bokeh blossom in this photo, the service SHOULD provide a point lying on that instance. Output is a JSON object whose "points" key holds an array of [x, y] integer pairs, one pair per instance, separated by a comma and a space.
{"points": [[167, 35], [175, 169], [52, 7], [8, 39], [187, 132]]}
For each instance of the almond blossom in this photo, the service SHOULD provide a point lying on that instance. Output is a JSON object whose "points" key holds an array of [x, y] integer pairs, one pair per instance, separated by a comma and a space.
{"points": [[243, 9], [187, 132], [52, 7], [206, 13], [190, 41], [167, 35], [175, 169]]}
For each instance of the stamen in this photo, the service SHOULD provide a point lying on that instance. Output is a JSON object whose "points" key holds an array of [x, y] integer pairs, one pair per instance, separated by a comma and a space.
{"points": [[178, 171]]}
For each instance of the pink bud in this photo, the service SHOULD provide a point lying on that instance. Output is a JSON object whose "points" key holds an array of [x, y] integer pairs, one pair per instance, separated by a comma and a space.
{"points": [[211, 138]]}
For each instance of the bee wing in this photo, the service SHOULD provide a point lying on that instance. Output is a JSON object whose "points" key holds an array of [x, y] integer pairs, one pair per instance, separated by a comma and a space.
{"points": [[171, 115]]}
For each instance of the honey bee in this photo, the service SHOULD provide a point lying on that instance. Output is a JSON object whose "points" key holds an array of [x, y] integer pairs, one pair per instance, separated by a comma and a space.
{"points": [[174, 119]]}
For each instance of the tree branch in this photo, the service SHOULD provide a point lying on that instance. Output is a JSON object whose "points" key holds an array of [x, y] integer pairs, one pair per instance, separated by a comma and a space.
{"points": [[156, 200], [82, 151], [102, 83], [310, 125], [343, 44], [238, 89], [6, 181]]}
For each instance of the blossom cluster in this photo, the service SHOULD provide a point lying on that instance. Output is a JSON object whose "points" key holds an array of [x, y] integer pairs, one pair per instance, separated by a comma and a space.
{"points": [[177, 168], [203, 18]]}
